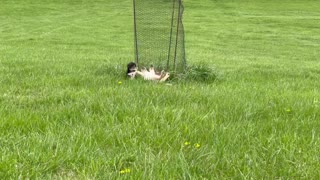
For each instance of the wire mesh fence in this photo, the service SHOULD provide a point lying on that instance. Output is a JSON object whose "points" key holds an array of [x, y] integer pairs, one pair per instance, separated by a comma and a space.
{"points": [[159, 34]]}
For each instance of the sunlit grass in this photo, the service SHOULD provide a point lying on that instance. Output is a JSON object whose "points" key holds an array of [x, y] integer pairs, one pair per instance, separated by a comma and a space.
{"points": [[249, 106]]}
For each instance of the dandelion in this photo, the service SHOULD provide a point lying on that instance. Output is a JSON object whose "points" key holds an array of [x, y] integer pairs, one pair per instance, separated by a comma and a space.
{"points": [[197, 145], [187, 143], [288, 110], [126, 170], [119, 82]]}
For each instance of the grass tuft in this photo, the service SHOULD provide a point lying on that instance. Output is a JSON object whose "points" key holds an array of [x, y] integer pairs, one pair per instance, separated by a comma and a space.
{"points": [[201, 72]]}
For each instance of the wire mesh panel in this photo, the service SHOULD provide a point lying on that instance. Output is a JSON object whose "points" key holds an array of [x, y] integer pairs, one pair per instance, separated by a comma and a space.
{"points": [[159, 34]]}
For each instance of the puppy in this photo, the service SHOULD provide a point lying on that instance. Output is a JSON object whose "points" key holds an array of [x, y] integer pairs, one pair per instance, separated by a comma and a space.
{"points": [[150, 74]]}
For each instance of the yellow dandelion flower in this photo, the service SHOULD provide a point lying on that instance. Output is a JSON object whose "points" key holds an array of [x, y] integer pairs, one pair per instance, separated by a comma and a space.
{"points": [[125, 171], [197, 145], [187, 143]]}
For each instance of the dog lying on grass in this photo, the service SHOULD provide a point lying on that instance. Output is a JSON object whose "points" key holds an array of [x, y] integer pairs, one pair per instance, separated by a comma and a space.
{"points": [[150, 75]]}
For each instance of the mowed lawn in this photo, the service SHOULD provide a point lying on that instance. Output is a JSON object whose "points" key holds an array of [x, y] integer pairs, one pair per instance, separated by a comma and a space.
{"points": [[67, 111]]}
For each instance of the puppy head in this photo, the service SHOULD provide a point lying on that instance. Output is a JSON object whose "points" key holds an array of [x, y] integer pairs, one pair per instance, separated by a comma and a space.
{"points": [[131, 69], [131, 66]]}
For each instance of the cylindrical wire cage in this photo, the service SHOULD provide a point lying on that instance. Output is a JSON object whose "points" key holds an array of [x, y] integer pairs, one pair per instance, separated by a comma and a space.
{"points": [[159, 34]]}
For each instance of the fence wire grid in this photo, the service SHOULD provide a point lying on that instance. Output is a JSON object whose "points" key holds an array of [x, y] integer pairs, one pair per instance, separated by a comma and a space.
{"points": [[159, 34]]}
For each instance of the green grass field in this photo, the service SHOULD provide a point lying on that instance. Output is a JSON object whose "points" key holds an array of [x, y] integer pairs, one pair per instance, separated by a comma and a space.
{"points": [[64, 114]]}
